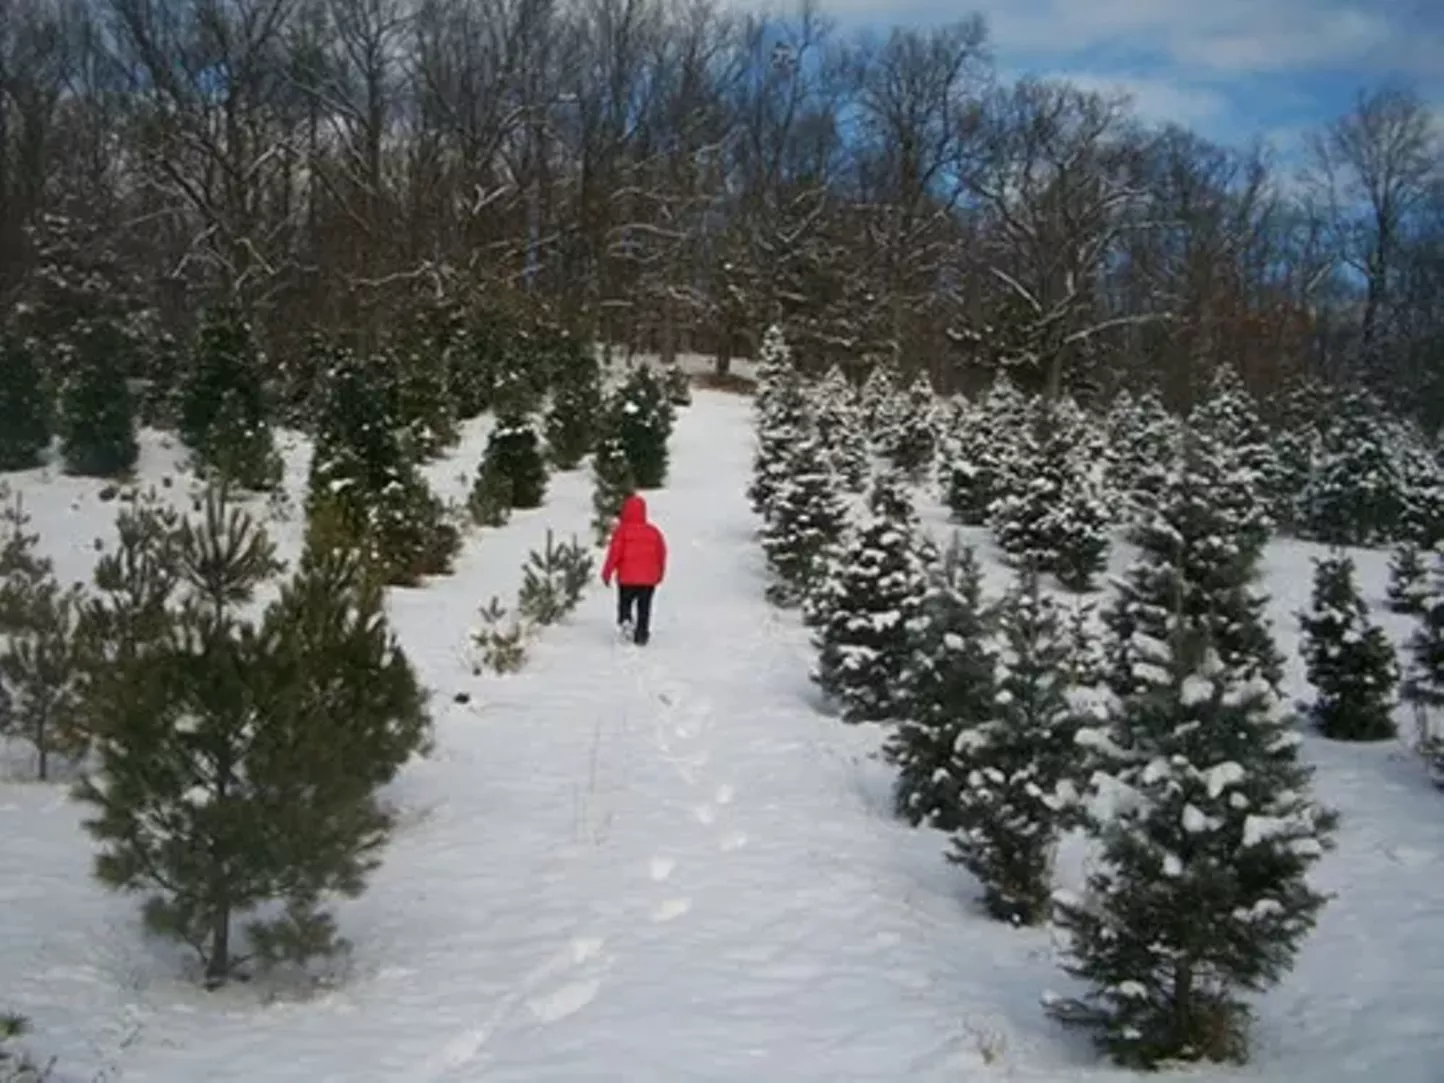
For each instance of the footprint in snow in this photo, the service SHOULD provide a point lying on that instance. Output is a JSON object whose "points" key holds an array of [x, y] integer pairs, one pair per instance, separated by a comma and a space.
{"points": [[671, 910], [662, 868]]}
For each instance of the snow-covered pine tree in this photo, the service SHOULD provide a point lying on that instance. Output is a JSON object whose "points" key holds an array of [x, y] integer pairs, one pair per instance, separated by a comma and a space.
{"points": [[1057, 519], [868, 607], [1424, 688], [224, 417], [1297, 415], [1016, 772], [1194, 553], [1408, 587], [1201, 894], [1421, 471], [775, 370], [909, 440], [640, 416], [1141, 435], [806, 521], [838, 422], [425, 402], [879, 396], [1229, 418], [25, 408], [575, 413], [1349, 658], [96, 410], [947, 686], [978, 462], [612, 483], [514, 451], [239, 763], [783, 423], [1356, 494], [364, 491]]}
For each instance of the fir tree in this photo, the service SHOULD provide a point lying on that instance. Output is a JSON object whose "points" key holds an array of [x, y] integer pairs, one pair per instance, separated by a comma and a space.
{"points": [[1141, 436], [1195, 552], [238, 762], [1421, 474], [1425, 685], [784, 422], [612, 483], [838, 423], [425, 406], [25, 409], [1350, 660], [978, 459], [1356, 494], [513, 451], [641, 418], [97, 413], [223, 414], [909, 442], [575, 413], [1014, 771], [806, 521], [775, 369], [878, 398], [871, 599], [1200, 895], [948, 687], [1408, 587]]}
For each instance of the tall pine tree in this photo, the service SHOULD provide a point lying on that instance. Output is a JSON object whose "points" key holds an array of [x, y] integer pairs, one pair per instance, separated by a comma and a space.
{"points": [[806, 522]]}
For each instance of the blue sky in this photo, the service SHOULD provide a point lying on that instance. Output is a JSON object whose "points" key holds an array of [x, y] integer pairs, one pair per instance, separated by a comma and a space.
{"points": [[1230, 69]]}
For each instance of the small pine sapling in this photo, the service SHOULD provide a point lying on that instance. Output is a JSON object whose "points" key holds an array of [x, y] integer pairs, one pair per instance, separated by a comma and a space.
{"points": [[1350, 660], [948, 687], [1016, 771], [500, 639], [1408, 587], [612, 483], [515, 450], [16, 1066], [641, 418], [25, 408], [553, 580]]}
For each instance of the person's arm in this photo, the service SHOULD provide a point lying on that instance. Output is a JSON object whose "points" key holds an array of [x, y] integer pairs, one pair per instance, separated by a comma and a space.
{"points": [[614, 556], [661, 556]]}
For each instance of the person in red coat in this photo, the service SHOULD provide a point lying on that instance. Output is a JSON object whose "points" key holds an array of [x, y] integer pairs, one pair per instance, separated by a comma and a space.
{"points": [[637, 556]]}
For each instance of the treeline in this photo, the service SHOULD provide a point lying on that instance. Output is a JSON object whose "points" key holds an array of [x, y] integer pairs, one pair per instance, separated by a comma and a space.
{"points": [[671, 175]]}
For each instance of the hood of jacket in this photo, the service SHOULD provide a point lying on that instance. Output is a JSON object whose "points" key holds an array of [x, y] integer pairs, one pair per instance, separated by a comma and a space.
{"points": [[634, 509]]}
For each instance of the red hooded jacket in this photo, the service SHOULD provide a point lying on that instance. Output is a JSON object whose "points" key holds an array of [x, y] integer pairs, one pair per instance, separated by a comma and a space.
{"points": [[637, 554]]}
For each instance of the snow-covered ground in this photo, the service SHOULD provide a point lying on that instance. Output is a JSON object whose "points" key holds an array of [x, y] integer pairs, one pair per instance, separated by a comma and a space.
{"points": [[665, 865]]}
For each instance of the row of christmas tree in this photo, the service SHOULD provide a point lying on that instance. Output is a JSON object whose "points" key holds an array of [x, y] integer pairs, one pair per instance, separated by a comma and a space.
{"points": [[1167, 743]]}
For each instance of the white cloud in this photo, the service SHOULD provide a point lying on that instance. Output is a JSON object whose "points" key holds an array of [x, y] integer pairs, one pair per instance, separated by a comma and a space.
{"points": [[1156, 99]]}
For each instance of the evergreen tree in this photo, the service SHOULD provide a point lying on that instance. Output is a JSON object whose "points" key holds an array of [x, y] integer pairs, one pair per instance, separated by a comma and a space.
{"points": [[1056, 520], [806, 521], [1408, 587], [223, 414], [779, 427], [1200, 895], [839, 424], [879, 398], [1195, 553], [1356, 494], [1297, 415], [775, 369], [97, 413], [239, 763], [25, 409], [978, 460], [678, 385], [1228, 418], [574, 417], [641, 419], [612, 483], [1425, 686], [1350, 660], [909, 441], [871, 598], [1421, 473], [513, 451], [1142, 435], [364, 490], [425, 405], [1014, 772], [948, 686]]}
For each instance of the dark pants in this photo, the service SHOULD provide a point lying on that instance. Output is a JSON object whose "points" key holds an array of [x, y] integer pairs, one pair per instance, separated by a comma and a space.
{"points": [[640, 599]]}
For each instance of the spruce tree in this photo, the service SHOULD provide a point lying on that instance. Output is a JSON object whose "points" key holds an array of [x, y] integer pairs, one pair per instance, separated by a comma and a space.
{"points": [[977, 468], [1200, 895], [1142, 435], [612, 483], [223, 414], [513, 451], [839, 424], [909, 441], [97, 412], [778, 427], [575, 413], [871, 598], [1229, 417], [641, 418], [25, 409], [878, 398], [1015, 772], [806, 521], [425, 405], [1424, 688], [1350, 660], [1408, 579], [948, 686], [239, 762], [1356, 494], [774, 370]]}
